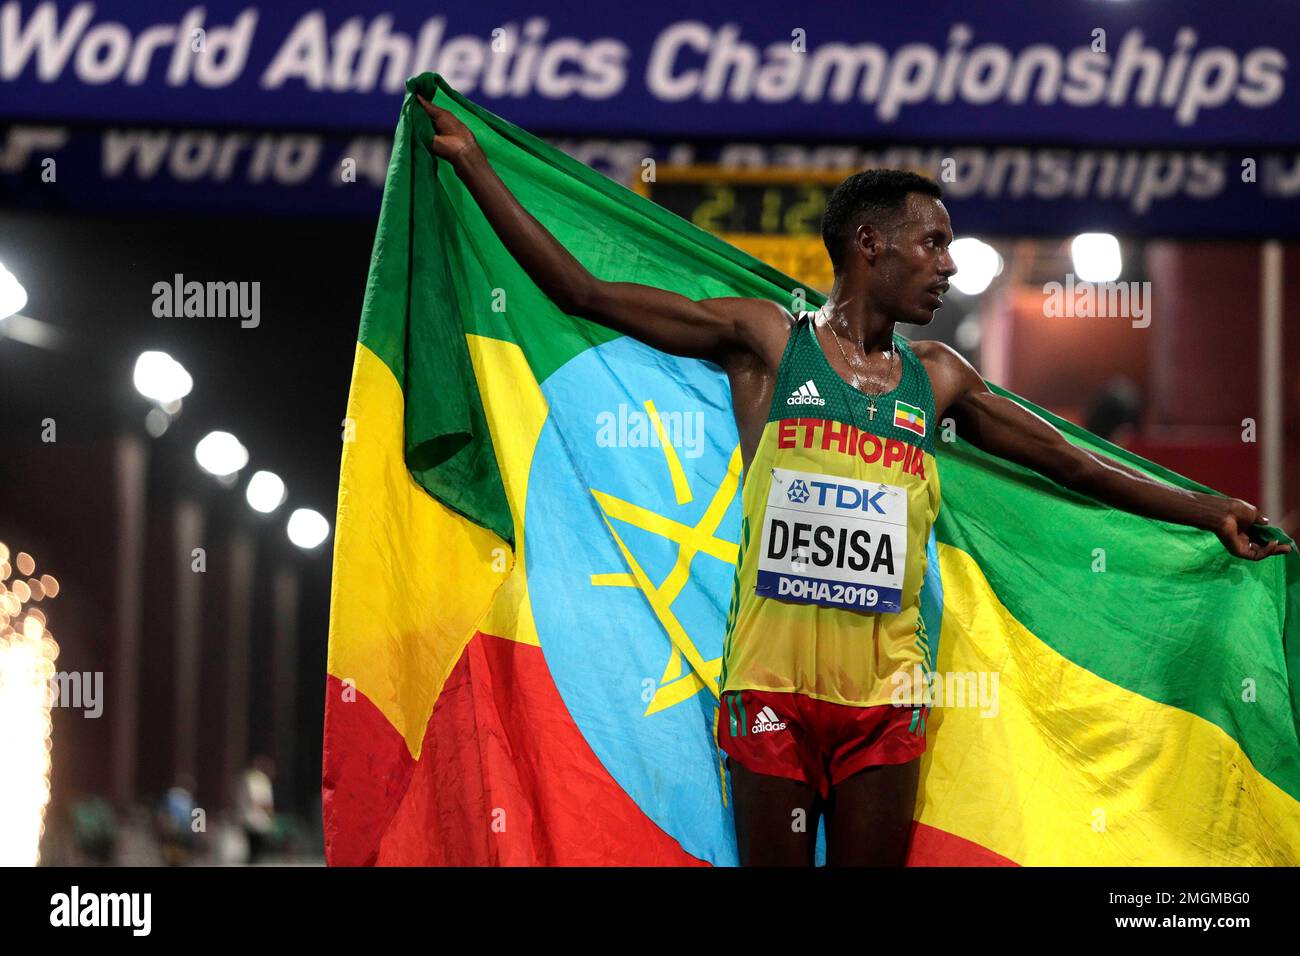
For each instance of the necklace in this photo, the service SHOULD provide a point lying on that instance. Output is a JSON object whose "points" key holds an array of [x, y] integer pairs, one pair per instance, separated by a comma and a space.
{"points": [[871, 399]]}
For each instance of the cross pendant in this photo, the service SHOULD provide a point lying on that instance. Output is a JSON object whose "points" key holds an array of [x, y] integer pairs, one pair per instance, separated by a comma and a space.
{"points": [[871, 409]]}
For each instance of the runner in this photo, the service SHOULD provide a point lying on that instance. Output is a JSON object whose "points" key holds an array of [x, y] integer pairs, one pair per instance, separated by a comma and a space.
{"points": [[836, 414]]}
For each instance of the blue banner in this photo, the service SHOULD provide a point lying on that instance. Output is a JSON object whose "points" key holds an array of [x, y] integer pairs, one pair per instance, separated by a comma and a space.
{"points": [[1082, 72], [989, 190]]}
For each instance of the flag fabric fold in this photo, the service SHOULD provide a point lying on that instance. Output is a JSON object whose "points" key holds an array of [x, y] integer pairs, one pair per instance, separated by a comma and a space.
{"points": [[538, 521]]}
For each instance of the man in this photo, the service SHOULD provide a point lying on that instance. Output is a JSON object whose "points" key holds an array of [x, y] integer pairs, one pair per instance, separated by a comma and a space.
{"points": [[255, 806], [836, 416]]}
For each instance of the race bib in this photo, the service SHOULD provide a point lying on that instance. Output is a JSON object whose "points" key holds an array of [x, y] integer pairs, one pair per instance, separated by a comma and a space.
{"points": [[833, 541]]}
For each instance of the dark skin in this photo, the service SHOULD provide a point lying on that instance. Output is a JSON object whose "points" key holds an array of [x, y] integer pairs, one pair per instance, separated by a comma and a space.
{"points": [[892, 272]]}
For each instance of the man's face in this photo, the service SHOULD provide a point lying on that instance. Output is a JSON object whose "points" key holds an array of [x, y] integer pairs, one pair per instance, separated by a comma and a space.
{"points": [[914, 266]]}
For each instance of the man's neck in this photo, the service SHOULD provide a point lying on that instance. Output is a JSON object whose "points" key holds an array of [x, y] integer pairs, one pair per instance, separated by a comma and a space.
{"points": [[857, 319]]}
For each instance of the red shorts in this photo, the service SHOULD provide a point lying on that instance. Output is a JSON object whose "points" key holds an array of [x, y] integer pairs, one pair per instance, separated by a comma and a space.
{"points": [[814, 741]]}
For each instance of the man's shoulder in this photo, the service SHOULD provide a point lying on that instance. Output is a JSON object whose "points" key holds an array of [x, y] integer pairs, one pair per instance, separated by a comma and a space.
{"points": [[763, 312], [951, 375], [764, 325], [934, 351], [941, 358]]}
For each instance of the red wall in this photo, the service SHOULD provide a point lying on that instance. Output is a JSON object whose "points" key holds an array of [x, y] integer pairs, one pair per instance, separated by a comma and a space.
{"points": [[1196, 364]]}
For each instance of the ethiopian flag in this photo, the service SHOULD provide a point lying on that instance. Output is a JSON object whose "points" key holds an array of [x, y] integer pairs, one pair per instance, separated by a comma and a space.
{"points": [[537, 526], [909, 417]]}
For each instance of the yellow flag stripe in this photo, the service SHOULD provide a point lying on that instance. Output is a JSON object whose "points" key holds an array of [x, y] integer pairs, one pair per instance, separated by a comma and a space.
{"points": [[1075, 770], [413, 580], [411, 577], [516, 411]]}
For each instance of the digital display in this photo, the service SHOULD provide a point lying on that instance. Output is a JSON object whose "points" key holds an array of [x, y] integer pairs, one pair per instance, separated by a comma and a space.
{"points": [[773, 214]]}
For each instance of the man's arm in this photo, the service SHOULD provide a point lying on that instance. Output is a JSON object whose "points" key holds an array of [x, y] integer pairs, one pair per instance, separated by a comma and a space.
{"points": [[1004, 428], [708, 329]]}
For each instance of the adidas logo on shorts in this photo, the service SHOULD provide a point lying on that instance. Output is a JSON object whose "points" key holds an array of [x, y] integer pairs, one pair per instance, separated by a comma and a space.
{"points": [[766, 720], [806, 394]]}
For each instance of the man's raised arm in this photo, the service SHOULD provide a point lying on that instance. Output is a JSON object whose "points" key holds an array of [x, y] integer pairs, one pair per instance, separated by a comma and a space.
{"points": [[1003, 428], [667, 321]]}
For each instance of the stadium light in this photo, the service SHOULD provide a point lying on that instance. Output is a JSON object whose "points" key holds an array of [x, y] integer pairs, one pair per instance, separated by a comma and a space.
{"points": [[220, 454], [12, 294], [161, 378], [977, 263], [27, 654], [1096, 257], [307, 528], [265, 492]]}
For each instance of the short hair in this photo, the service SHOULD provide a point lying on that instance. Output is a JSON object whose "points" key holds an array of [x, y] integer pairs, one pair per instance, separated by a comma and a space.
{"points": [[876, 194]]}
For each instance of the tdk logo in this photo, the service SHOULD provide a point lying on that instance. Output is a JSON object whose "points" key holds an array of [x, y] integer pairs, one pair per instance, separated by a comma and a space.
{"points": [[847, 497], [798, 491]]}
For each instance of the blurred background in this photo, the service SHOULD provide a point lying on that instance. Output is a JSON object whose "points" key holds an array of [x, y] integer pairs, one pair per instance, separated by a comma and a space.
{"points": [[187, 203]]}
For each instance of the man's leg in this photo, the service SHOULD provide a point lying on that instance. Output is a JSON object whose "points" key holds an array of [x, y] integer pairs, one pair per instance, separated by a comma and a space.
{"points": [[776, 818], [869, 819]]}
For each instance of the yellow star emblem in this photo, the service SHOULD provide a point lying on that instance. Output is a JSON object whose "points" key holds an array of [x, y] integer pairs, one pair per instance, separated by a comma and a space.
{"points": [[700, 538]]}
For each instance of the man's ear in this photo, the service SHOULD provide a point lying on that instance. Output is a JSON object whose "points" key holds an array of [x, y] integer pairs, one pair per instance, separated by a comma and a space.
{"points": [[868, 242]]}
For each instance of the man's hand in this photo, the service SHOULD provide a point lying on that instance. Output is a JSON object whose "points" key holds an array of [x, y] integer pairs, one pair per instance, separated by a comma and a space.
{"points": [[452, 139], [1234, 531]]}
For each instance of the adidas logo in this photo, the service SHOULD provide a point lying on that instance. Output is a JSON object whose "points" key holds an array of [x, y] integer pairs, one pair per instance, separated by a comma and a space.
{"points": [[766, 720], [806, 394]]}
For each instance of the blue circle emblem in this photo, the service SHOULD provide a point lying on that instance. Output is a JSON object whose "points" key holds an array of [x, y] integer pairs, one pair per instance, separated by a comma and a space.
{"points": [[631, 528]]}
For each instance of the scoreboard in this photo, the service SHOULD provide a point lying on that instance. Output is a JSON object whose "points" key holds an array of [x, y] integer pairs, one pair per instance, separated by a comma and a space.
{"points": [[773, 214]]}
